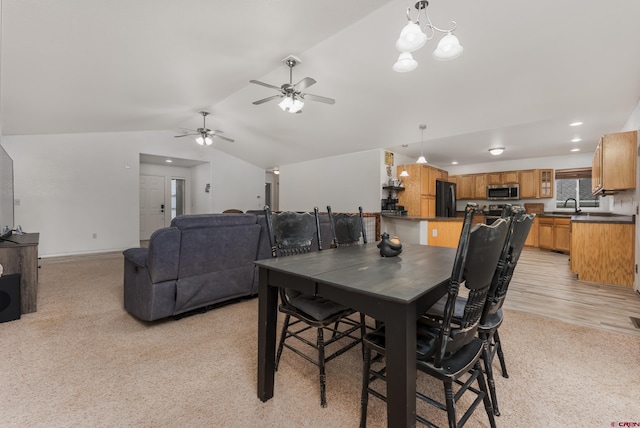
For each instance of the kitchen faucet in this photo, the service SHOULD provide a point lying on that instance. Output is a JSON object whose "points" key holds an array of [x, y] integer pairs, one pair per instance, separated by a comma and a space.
{"points": [[575, 202]]}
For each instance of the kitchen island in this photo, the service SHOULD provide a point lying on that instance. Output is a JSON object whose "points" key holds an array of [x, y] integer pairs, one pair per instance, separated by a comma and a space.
{"points": [[435, 231], [603, 248]]}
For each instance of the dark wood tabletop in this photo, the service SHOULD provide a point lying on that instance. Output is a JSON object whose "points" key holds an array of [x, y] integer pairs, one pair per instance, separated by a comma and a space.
{"points": [[394, 290]]}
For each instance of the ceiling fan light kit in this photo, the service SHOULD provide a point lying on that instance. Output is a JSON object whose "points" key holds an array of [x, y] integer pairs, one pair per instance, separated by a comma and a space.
{"points": [[204, 135], [413, 37], [292, 97]]}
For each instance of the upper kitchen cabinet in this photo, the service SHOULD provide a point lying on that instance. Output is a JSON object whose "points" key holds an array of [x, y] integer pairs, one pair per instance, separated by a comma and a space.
{"points": [[465, 186], [506, 177], [418, 197], [614, 163], [480, 186], [536, 183]]}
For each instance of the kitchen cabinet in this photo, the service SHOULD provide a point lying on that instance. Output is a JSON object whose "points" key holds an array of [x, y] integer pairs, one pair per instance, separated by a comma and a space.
{"points": [[427, 206], [506, 177], [545, 183], [465, 186], [554, 233], [545, 233], [532, 238], [536, 183], [529, 183], [419, 195], [533, 183], [614, 163], [480, 186], [562, 234], [603, 252]]}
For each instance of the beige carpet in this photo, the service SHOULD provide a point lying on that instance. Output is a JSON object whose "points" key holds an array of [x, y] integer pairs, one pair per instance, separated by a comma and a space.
{"points": [[82, 361]]}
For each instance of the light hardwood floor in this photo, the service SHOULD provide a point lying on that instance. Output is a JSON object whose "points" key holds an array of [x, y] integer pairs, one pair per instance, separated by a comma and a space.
{"points": [[543, 284]]}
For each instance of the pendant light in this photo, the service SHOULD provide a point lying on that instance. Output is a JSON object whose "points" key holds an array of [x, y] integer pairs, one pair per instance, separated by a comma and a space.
{"points": [[404, 172], [422, 159]]}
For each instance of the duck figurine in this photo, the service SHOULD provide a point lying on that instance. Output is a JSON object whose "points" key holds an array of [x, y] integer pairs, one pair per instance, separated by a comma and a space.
{"points": [[389, 247]]}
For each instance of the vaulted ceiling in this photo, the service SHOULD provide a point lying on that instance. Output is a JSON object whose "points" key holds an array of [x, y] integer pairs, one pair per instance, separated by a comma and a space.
{"points": [[527, 71]]}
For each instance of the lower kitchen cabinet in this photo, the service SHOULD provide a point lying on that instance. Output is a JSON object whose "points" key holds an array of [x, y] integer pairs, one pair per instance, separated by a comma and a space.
{"points": [[554, 233], [562, 234], [603, 252], [532, 238]]}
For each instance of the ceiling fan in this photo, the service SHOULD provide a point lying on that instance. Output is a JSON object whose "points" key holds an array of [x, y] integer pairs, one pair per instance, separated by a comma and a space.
{"points": [[204, 134], [292, 96]]}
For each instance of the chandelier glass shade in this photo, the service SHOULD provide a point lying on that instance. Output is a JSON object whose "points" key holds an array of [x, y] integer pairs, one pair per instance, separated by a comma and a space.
{"points": [[413, 37], [405, 63]]}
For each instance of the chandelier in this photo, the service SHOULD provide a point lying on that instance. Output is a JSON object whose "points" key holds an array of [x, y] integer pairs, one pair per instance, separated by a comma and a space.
{"points": [[413, 37]]}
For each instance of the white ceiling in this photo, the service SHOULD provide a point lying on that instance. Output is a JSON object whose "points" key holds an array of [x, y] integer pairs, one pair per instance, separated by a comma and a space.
{"points": [[527, 71]]}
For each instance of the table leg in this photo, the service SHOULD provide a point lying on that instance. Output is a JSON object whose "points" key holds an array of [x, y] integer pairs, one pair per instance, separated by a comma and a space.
{"points": [[267, 318], [400, 325]]}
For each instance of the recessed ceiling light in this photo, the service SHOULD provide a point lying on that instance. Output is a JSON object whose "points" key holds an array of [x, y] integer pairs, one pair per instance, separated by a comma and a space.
{"points": [[575, 150], [576, 140], [575, 124], [454, 163], [168, 161], [496, 151]]}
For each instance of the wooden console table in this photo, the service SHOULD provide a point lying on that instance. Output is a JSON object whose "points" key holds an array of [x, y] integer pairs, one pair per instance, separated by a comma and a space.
{"points": [[20, 255]]}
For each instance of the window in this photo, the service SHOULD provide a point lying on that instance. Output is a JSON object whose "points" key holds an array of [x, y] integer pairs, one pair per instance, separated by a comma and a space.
{"points": [[573, 188], [177, 197]]}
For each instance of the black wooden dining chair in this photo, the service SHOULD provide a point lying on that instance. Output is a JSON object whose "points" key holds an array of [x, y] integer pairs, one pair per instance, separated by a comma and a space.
{"points": [[449, 349], [347, 229], [492, 315], [292, 233]]}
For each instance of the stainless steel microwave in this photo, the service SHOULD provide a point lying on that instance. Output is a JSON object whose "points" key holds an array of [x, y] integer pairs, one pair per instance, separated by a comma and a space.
{"points": [[497, 192]]}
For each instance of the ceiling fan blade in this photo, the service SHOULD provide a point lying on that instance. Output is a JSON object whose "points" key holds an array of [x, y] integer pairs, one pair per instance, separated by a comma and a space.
{"points": [[304, 83], [231, 140], [257, 82], [184, 135], [264, 100], [318, 98]]}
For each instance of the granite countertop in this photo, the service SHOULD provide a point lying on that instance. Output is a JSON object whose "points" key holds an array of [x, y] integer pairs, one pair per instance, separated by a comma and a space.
{"points": [[586, 217], [418, 218]]}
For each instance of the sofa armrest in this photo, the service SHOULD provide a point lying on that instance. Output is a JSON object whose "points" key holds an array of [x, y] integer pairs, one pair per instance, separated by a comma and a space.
{"points": [[137, 256], [164, 254]]}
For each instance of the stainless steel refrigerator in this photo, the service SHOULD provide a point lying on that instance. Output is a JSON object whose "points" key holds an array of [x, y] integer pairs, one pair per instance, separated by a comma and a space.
{"points": [[445, 199]]}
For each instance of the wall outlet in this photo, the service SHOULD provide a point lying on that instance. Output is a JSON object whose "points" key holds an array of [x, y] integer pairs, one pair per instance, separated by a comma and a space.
{"points": [[434, 232], [94, 236], [16, 202]]}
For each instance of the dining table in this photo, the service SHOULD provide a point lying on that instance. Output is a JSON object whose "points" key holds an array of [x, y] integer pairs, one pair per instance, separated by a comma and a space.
{"points": [[392, 290]]}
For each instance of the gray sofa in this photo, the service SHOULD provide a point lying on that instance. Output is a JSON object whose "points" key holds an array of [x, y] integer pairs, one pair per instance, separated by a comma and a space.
{"points": [[200, 260]]}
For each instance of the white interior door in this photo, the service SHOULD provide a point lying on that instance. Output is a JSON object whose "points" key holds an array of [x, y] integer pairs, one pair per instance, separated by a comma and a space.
{"points": [[151, 205]]}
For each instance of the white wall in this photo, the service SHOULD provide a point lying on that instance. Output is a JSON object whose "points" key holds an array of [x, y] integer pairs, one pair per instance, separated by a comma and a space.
{"points": [[71, 186], [345, 182]]}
